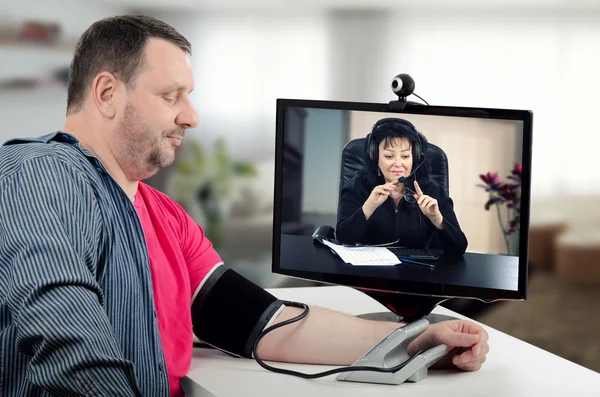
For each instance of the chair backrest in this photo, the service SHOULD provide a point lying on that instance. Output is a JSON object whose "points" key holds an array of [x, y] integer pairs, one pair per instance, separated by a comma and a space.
{"points": [[353, 160]]}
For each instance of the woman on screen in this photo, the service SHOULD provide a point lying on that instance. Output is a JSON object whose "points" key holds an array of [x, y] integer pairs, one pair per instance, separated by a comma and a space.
{"points": [[394, 199]]}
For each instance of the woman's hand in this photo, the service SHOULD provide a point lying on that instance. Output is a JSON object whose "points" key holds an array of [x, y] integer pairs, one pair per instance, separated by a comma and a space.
{"points": [[467, 344], [378, 195], [429, 206]]}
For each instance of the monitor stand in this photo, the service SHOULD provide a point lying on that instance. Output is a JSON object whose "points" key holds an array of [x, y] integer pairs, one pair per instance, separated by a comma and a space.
{"points": [[405, 307]]}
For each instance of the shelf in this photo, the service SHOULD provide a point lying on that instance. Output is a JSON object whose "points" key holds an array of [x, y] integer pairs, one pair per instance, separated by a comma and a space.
{"points": [[65, 47], [32, 61]]}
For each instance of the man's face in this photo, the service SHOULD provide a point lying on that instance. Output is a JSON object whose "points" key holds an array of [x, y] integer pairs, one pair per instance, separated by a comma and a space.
{"points": [[156, 112]]}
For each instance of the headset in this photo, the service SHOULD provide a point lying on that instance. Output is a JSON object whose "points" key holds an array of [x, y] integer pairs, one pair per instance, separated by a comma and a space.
{"points": [[402, 126]]}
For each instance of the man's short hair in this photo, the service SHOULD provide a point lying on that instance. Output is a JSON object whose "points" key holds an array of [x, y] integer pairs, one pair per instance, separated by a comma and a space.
{"points": [[116, 45]]}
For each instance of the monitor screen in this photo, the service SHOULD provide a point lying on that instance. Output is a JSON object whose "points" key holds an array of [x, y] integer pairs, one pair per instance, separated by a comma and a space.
{"points": [[445, 190]]}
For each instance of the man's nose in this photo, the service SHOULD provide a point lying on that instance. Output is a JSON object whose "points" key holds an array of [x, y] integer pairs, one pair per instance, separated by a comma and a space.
{"points": [[188, 118]]}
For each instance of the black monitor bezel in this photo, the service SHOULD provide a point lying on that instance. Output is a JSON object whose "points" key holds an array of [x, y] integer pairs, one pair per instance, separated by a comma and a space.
{"points": [[398, 286]]}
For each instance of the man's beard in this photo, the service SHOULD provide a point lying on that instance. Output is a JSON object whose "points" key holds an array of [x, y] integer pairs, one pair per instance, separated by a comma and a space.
{"points": [[137, 138], [158, 157]]}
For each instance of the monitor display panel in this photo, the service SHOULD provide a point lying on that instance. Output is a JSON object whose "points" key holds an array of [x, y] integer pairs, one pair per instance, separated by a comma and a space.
{"points": [[445, 189]]}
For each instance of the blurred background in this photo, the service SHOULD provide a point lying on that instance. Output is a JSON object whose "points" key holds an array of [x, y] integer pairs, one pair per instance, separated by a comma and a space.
{"points": [[541, 55]]}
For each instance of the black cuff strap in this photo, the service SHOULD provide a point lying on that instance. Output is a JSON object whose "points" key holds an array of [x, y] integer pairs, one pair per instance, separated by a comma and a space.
{"points": [[230, 311], [260, 325]]}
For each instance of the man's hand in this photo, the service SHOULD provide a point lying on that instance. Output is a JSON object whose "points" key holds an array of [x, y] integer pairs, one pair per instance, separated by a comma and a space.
{"points": [[467, 342]]}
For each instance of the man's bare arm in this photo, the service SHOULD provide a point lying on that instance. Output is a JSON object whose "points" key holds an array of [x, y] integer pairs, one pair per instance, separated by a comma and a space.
{"points": [[329, 337], [322, 337]]}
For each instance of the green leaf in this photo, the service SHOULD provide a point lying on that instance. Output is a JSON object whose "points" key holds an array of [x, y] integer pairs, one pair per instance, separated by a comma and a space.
{"points": [[243, 169]]}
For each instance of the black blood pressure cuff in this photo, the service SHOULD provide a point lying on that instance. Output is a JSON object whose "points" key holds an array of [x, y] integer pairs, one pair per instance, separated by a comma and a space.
{"points": [[229, 312]]}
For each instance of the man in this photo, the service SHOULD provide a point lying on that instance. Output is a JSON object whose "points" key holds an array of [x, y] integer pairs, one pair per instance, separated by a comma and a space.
{"points": [[97, 270]]}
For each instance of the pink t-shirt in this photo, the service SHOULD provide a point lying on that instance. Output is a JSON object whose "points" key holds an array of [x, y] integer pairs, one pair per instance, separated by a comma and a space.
{"points": [[180, 257]]}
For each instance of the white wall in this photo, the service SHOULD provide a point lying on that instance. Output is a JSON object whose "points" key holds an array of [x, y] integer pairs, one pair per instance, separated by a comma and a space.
{"points": [[37, 111], [31, 112], [358, 43], [546, 62], [243, 62]]}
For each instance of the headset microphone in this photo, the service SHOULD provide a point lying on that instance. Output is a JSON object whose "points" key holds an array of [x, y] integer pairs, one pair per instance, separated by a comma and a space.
{"points": [[403, 179]]}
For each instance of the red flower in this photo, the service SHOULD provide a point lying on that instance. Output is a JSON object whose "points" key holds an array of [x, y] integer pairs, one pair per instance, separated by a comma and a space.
{"points": [[508, 191], [516, 172], [492, 181]]}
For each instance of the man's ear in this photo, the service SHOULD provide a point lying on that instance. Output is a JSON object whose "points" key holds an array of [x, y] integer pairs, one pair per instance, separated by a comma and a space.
{"points": [[104, 89]]}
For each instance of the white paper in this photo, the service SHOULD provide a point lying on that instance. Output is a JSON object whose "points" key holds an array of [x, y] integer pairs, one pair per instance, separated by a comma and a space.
{"points": [[365, 256]]}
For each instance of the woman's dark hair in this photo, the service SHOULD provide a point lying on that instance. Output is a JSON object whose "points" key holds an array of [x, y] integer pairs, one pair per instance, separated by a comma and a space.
{"points": [[386, 130], [116, 45]]}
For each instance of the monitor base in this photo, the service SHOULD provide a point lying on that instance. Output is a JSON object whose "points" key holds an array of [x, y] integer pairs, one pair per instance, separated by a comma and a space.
{"points": [[408, 308], [393, 317]]}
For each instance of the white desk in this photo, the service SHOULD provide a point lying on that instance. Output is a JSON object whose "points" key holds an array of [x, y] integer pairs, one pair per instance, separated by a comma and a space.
{"points": [[513, 367]]}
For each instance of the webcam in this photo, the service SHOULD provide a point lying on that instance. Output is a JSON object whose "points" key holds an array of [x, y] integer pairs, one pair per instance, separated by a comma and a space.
{"points": [[403, 85]]}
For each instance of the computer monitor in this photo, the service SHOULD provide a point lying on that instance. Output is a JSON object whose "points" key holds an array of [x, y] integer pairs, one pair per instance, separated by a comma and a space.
{"points": [[475, 163]]}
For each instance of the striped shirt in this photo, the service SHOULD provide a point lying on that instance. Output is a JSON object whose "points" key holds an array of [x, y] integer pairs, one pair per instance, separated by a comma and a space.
{"points": [[76, 301]]}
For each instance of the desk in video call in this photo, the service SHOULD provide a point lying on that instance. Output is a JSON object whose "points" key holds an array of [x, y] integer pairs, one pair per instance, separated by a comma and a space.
{"points": [[472, 270]]}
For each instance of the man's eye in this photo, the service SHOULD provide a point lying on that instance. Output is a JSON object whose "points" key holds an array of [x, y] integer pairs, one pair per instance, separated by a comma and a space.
{"points": [[170, 100]]}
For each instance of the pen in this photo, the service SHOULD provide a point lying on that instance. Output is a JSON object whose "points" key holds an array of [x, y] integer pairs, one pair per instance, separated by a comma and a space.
{"points": [[415, 262]]}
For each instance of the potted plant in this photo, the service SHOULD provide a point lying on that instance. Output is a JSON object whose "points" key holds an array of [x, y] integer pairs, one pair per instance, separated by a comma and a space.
{"points": [[505, 194], [203, 183]]}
